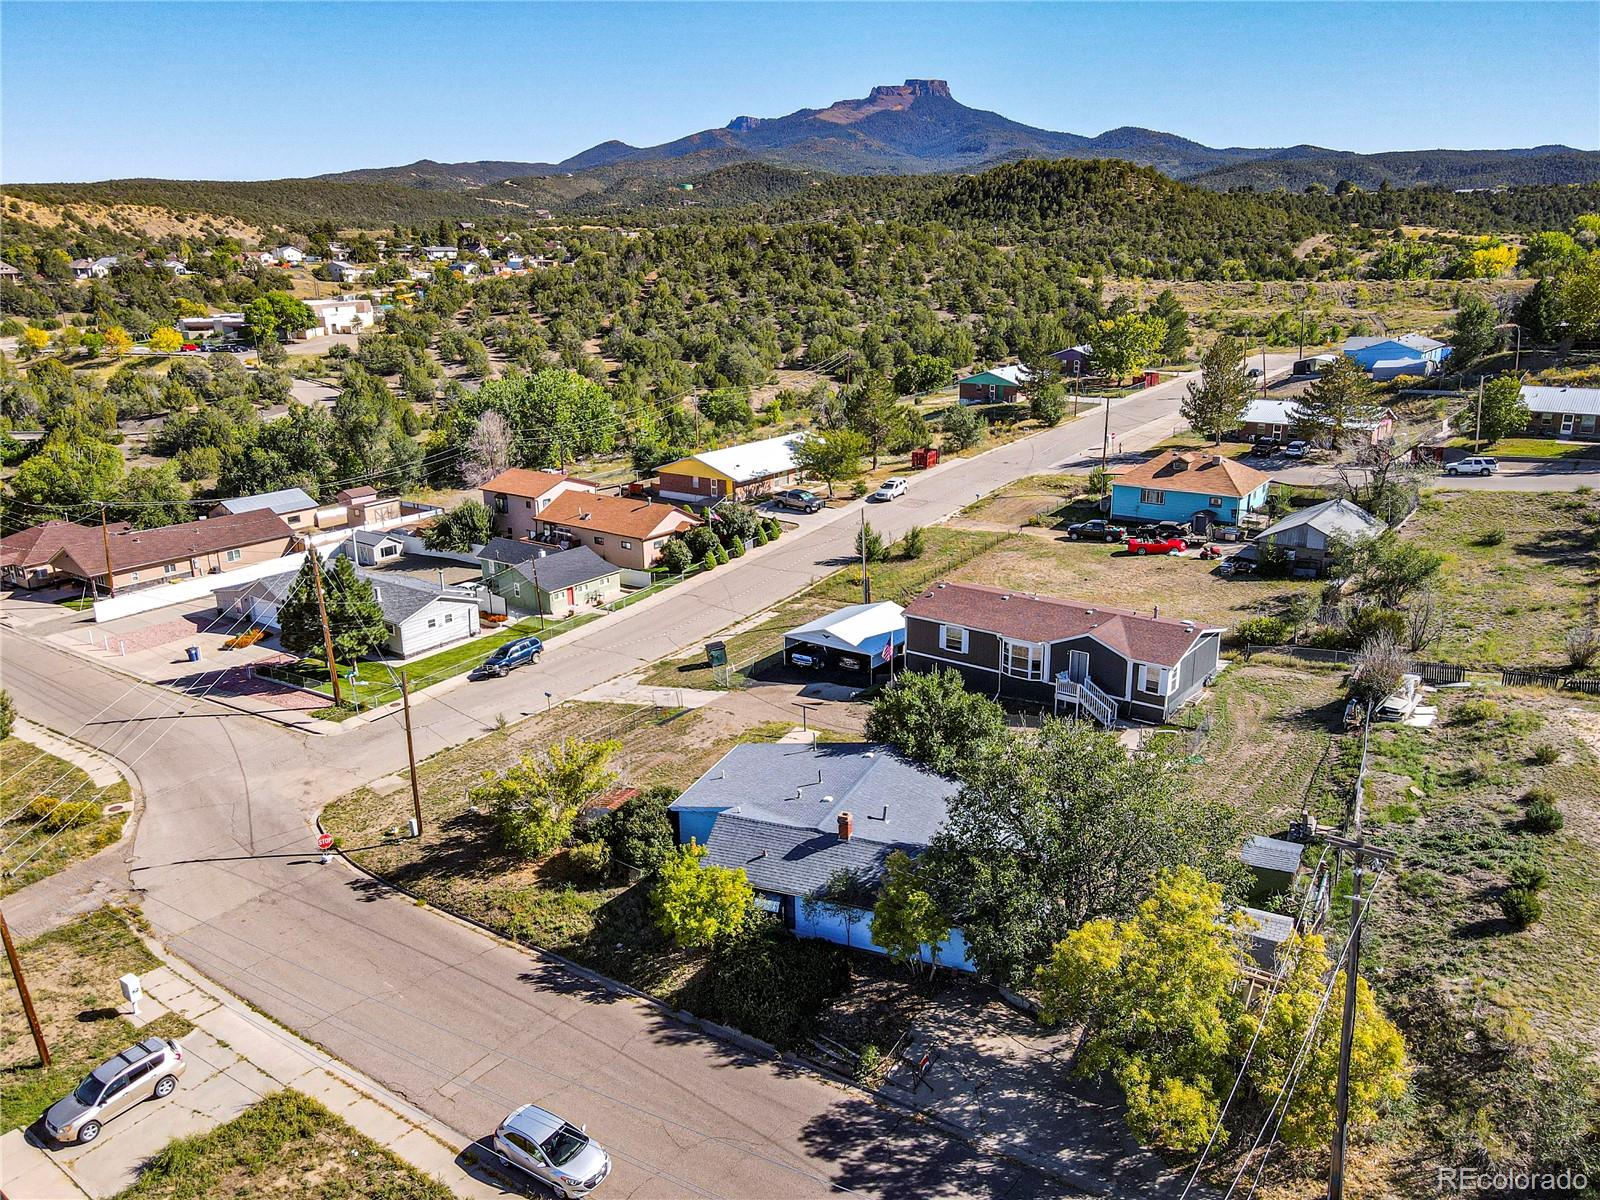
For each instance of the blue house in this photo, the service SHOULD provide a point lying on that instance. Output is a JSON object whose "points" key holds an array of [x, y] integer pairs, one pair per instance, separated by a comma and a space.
{"points": [[1389, 357], [1188, 486], [796, 818]]}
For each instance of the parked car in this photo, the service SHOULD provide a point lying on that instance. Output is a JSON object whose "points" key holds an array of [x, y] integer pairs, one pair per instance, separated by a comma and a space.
{"points": [[1296, 449], [1264, 445], [1476, 465], [555, 1151], [799, 500], [1097, 530], [143, 1072], [1236, 566], [1171, 529], [892, 489], [509, 657], [1156, 545]]}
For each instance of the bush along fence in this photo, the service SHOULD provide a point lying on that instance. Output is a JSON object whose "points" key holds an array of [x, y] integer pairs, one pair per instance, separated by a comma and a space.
{"points": [[1438, 673]]}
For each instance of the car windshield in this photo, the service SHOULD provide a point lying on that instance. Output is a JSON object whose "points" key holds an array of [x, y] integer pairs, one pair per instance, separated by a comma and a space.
{"points": [[562, 1146], [88, 1093]]}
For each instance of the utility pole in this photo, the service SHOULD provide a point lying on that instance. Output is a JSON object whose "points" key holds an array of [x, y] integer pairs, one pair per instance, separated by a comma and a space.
{"points": [[538, 596], [1361, 853], [322, 614], [1477, 421], [1105, 434], [22, 990], [411, 752], [866, 584], [105, 541]]}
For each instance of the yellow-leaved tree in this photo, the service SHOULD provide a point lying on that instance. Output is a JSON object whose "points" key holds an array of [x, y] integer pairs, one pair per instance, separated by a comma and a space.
{"points": [[700, 904], [116, 341], [166, 340]]}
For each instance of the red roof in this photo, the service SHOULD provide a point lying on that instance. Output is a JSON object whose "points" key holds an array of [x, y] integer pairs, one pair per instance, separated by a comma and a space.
{"points": [[135, 548], [1029, 618], [519, 481], [616, 515], [1191, 471], [36, 546]]}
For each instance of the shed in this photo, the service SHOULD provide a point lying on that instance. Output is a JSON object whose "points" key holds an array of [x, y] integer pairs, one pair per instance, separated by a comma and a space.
{"points": [[853, 638], [1274, 861]]}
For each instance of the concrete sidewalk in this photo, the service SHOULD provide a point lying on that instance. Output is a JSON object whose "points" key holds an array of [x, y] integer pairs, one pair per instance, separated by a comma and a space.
{"points": [[235, 1058]]}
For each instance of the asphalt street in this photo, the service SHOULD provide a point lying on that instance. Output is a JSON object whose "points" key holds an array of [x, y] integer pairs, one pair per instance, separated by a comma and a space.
{"points": [[461, 1025]]}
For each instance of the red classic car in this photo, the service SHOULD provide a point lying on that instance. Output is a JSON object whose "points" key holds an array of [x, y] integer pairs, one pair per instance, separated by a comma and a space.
{"points": [[1172, 545]]}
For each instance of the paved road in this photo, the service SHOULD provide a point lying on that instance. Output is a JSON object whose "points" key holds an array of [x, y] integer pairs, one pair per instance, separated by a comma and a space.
{"points": [[462, 1026], [1512, 477]]}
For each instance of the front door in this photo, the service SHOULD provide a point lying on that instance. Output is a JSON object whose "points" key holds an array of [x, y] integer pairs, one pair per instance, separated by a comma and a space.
{"points": [[1566, 424], [570, 597], [1077, 665]]}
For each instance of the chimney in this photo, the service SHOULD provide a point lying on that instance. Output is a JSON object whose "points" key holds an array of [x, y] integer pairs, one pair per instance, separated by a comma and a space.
{"points": [[847, 826]]}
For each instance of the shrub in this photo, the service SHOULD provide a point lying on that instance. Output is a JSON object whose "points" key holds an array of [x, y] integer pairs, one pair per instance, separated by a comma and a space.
{"points": [[8, 714], [1546, 753], [869, 1064], [1475, 712], [709, 562], [1583, 647], [676, 556], [57, 814], [1491, 537], [761, 535], [1545, 817], [1263, 631], [1521, 906], [771, 984], [914, 543], [1371, 620], [591, 858], [1529, 876], [736, 550], [963, 427], [639, 834], [774, 529]]}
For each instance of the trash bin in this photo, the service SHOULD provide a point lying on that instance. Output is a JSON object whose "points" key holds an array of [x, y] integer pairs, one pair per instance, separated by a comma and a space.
{"points": [[194, 653], [717, 654]]}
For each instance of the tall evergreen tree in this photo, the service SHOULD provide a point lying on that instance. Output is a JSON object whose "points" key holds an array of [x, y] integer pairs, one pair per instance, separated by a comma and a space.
{"points": [[354, 615], [1217, 400], [1339, 401]]}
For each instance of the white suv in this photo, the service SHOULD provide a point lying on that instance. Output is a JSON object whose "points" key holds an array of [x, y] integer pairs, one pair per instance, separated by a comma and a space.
{"points": [[1477, 465]]}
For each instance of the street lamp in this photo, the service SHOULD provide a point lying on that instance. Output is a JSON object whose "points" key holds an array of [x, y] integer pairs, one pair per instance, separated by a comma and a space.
{"points": [[1516, 364]]}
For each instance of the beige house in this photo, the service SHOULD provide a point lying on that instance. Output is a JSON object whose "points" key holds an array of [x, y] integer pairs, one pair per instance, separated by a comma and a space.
{"points": [[141, 557], [516, 497], [627, 533]]}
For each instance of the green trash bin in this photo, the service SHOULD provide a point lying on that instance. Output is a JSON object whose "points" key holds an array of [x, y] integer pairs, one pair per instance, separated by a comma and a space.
{"points": [[717, 654]]}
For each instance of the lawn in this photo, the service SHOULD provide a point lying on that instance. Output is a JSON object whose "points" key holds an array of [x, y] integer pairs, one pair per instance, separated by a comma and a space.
{"points": [[375, 684], [41, 838], [898, 579], [286, 1147], [1199, 441], [1530, 447], [72, 975], [1520, 571]]}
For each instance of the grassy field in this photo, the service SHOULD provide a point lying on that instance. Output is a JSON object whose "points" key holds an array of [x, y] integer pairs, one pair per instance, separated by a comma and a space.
{"points": [[1521, 570], [72, 975], [1267, 732], [1531, 447], [897, 579], [39, 838], [286, 1147]]}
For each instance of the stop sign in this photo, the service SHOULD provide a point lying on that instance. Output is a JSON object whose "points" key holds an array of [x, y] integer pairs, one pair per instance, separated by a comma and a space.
{"points": [[325, 842]]}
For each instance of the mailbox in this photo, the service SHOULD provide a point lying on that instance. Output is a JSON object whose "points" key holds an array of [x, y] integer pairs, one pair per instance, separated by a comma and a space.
{"points": [[132, 991]]}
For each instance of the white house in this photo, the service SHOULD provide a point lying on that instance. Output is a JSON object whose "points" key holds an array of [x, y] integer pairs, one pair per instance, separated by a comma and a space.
{"points": [[347, 272], [440, 253], [289, 256], [420, 616], [345, 314]]}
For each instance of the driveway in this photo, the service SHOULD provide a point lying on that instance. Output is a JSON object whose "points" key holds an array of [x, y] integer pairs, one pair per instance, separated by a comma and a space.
{"points": [[461, 1025]]}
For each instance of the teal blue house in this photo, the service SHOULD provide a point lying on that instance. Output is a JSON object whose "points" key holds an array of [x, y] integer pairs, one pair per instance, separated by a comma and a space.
{"points": [[1189, 486]]}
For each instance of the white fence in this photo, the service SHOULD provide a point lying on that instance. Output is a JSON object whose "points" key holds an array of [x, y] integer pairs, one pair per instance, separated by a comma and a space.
{"points": [[109, 608]]}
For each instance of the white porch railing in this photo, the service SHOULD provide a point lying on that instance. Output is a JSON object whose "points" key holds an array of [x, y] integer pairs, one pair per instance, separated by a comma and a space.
{"points": [[1089, 699]]}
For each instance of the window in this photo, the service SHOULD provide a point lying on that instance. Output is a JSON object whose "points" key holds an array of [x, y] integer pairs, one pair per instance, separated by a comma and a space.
{"points": [[448, 617], [598, 540], [432, 623], [388, 551], [233, 556], [1152, 496], [1152, 679], [1024, 660], [694, 482], [626, 545], [1215, 501], [169, 568], [953, 638], [527, 504], [500, 504]]}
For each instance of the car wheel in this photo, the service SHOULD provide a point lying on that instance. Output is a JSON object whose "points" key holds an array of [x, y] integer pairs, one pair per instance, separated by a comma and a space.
{"points": [[90, 1131], [1139, 552], [1485, 472], [1110, 540], [1451, 471], [165, 1085]]}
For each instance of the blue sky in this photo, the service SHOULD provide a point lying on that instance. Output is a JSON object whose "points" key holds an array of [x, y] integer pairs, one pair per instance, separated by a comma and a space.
{"points": [[252, 91]]}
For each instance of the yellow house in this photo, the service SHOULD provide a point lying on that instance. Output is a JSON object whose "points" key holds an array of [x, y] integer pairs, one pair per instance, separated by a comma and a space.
{"points": [[751, 469]]}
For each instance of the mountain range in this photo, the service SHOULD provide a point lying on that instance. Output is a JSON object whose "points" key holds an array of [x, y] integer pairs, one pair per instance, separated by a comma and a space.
{"points": [[918, 128]]}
